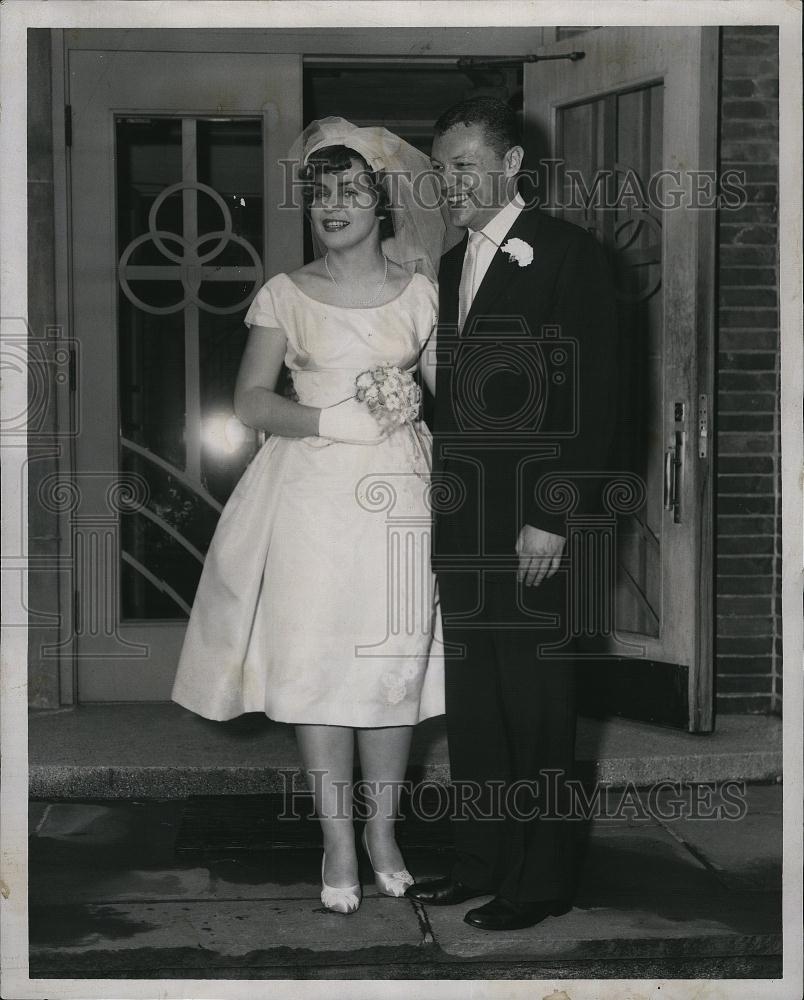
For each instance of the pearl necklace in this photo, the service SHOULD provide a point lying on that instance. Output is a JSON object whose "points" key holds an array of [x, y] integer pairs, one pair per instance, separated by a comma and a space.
{"points": [[363, 302]]}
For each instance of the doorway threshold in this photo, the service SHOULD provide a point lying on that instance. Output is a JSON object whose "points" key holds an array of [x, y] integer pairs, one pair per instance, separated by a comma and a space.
{"points": [[162, 751]]}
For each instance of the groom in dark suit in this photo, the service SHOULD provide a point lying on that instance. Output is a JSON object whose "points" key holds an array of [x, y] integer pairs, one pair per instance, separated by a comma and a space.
{"points": [[525, 389]]}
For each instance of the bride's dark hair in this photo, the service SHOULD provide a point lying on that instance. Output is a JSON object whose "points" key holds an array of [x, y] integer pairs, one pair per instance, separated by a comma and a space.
{"points": [[336, 159]]}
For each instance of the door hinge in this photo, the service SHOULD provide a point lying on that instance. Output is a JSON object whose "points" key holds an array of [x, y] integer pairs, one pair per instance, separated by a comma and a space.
{"points": [[703, 425], [68, 125]]}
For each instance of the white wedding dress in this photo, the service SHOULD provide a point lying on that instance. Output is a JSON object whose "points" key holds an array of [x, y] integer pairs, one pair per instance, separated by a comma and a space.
{"points": [[316, 601]]}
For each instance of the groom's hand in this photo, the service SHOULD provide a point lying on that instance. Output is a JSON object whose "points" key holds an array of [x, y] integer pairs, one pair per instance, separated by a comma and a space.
{"points": [[539, 555]]}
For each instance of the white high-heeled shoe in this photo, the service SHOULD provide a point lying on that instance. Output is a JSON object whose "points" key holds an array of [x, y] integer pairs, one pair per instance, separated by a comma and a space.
{"points": [[344, 899], [389, 883]]}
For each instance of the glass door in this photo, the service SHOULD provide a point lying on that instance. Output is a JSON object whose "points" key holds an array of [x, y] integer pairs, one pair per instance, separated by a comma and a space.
{"points": [[178, 219], [630, 128]]}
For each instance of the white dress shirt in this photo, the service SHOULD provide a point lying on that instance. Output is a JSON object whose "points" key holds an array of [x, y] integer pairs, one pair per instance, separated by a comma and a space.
{"points": [[496, 230]]}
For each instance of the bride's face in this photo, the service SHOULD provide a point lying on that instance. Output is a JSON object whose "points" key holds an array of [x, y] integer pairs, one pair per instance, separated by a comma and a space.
{"points": [[342, 210]]}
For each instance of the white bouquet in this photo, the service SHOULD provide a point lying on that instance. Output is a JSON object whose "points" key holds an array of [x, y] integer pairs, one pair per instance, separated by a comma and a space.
{"points": [[390, 393]]}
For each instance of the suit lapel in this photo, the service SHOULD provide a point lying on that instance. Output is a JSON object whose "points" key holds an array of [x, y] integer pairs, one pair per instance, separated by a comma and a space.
{"points": [[502, 268]]}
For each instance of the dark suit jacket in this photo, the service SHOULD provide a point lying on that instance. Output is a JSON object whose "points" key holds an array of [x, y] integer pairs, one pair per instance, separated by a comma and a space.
{"points": [[528, 388]]}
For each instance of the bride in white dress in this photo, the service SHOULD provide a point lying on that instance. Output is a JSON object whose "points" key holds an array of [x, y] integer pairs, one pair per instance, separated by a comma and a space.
{"points": [[316, 602]]}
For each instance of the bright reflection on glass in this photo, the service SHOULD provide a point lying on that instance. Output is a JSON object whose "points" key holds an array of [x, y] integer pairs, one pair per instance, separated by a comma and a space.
{"points": [[224, 434]]}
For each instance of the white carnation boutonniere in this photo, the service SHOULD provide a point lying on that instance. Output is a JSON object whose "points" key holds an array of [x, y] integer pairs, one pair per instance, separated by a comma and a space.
{"points": [[519, 251]]}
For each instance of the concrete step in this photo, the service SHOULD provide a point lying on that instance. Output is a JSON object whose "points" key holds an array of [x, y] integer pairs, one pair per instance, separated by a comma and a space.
{"points": [[161, 750], [110, 897]]}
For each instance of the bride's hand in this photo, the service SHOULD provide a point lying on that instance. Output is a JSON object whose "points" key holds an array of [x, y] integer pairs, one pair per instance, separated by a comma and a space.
{"points": [[351, 422]]}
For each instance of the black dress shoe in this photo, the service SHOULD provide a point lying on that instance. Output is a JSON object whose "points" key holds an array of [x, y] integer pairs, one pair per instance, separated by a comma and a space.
{"points": [[501, 914], [442, 892]]}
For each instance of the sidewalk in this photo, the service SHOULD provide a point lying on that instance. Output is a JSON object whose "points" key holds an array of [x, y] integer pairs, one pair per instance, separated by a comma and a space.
{"points": [[221, 888]]}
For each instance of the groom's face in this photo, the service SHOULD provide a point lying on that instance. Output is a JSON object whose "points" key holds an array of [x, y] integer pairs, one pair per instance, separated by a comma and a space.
{"points": [[475, 178]]}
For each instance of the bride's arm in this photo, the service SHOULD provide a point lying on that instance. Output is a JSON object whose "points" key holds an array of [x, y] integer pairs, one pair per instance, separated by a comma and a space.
{"points": [[427, 363], [256, 403]]}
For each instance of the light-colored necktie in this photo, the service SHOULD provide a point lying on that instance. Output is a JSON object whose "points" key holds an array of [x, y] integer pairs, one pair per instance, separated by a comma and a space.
{"points": [[466, 288]]}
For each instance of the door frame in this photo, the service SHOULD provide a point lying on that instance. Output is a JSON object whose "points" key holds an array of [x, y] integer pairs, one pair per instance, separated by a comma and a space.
{"points": [[426, 46]]}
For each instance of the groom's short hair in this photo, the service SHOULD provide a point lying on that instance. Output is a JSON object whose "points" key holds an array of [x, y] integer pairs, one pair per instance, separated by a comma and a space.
{"points": [[498, 121]]}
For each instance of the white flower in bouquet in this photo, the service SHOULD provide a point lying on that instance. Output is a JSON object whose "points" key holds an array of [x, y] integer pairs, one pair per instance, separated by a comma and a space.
{"points": [[390, 393]]}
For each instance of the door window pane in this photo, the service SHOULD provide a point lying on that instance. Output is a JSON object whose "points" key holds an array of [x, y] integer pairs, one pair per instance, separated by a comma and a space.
{"points": [[611, 146], [190, 245]]}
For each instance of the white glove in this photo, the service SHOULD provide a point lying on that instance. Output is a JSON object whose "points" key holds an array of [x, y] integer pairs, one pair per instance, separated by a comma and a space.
{"points": [[352, 422]]}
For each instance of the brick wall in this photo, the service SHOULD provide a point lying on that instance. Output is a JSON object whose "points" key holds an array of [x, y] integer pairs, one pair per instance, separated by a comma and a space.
{"points": [[748, 601]]}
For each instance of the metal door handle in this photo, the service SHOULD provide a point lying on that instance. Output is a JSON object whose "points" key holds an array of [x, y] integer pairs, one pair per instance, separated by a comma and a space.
{"points": [[673, 461], [668, 478]]}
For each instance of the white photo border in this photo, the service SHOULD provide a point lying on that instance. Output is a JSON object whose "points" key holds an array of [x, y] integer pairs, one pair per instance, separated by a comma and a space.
{"points": [[16, 16]]}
